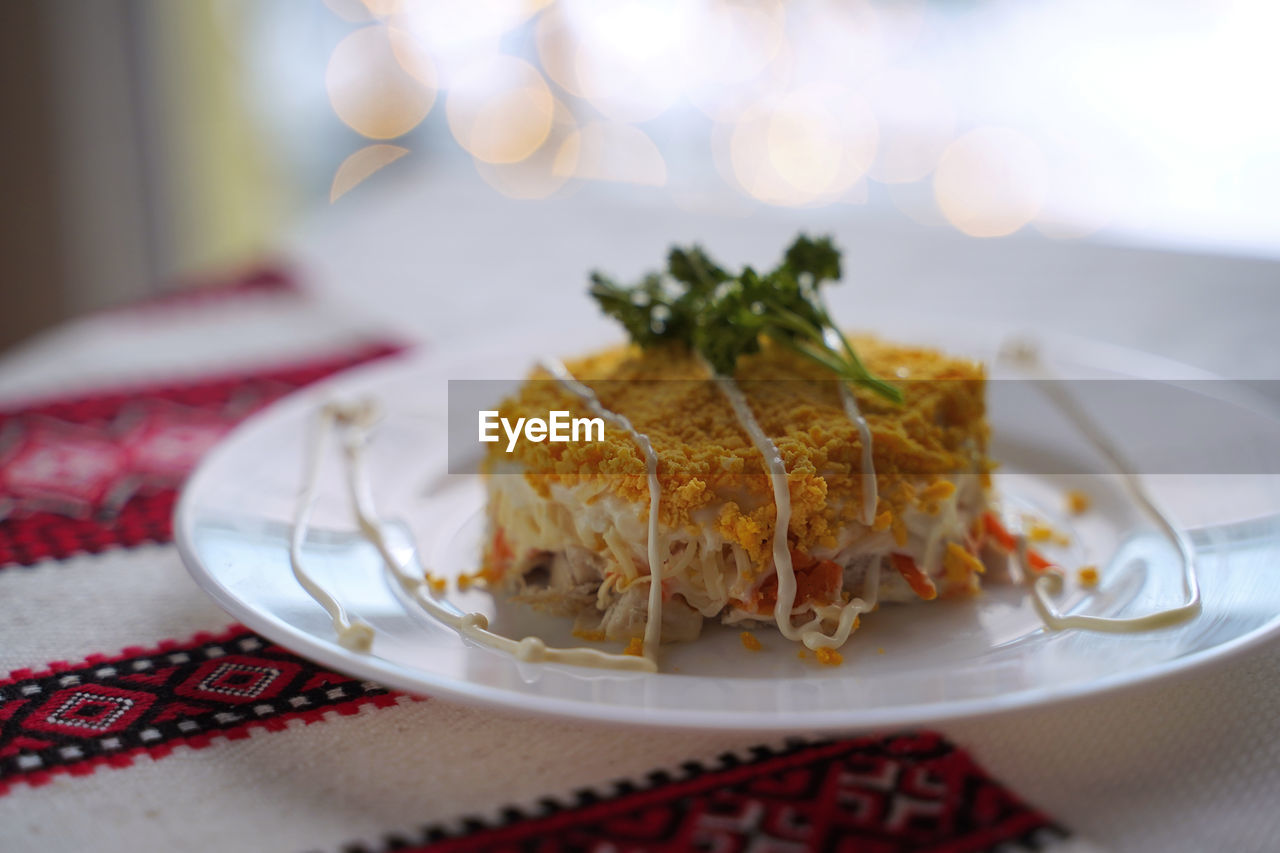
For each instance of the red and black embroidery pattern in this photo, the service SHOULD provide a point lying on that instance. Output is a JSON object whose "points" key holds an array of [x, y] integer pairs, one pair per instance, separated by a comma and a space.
{"points": [[904, 793], [198, 293], [87, 474], [73, 719]]}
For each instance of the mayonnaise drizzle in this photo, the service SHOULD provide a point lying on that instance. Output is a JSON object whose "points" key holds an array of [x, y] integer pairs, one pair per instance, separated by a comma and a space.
{"points": [[653, 620], [352, 634], [850, 402], [811, 632], [357, 420], [1050, 582]]}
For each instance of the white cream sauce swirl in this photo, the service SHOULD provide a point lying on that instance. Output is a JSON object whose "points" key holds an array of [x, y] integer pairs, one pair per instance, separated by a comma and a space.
{"points": [[869, 493], [352, 634], [356, 421], [653, 619], [1050, 582], [845, 615]]}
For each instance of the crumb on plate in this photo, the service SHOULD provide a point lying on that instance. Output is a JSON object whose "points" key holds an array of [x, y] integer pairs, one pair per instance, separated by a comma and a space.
{"points": [[1039, 531], [829, 657]]}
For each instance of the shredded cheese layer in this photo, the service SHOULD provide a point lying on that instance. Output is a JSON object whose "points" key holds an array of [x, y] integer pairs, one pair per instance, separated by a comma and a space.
{"points": [[712, 475]]}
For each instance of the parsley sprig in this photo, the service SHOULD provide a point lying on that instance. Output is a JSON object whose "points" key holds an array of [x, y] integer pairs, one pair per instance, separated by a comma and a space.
{"points": [[723, 316]]}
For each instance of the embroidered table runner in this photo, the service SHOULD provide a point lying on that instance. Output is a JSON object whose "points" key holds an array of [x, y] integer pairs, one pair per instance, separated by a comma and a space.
{"points": [[136, 716]]}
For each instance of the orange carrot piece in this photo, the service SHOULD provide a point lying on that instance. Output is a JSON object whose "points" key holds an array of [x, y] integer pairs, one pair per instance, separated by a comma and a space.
{"points": [[997, 530], [1009, 543], [816, 580], [1037, 562], [916, 579]]}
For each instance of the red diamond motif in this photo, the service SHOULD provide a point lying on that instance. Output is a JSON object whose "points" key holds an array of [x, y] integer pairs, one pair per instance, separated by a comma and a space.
{"points": [[63, 465], [89, 710], [238, 679], [169, 442]]}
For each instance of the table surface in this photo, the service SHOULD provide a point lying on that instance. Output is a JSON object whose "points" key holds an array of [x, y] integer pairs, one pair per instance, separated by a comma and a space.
{"points": [[1175, 765], [1148, 769]]}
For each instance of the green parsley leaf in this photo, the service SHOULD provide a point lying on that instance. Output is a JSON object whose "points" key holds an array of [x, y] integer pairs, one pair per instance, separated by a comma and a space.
{"points": [[723, 317]]}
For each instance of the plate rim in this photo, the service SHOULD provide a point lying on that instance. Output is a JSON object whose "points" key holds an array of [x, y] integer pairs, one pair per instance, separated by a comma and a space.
{"points": [[364, 665]]}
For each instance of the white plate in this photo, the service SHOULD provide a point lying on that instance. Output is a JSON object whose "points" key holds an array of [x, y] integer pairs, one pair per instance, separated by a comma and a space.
{"points": [[908, 665]]}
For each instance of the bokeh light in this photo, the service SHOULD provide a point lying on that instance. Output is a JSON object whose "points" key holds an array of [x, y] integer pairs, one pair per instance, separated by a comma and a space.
{"points": [[740, 39], [839, 44], [917, 121], [799, 103], [990, 182], [500, 110], [371, 91], [413, 58], [803, 148], [557, 49], [537, 176], [905, 20], [384, 8], [634, 59], [742, 58], [632, 56], [611, 151], [360, 165], [460, 33]]}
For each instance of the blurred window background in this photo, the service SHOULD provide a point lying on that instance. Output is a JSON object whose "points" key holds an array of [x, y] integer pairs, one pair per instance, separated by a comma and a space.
{"points": [[150, 142]]}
